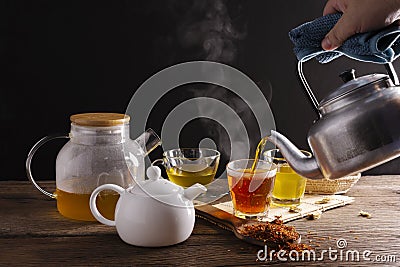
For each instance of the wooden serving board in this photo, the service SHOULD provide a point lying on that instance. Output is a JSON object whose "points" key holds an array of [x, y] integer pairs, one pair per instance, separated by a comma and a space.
{"points": [[229, 222], [218, 217], [310, 204]]}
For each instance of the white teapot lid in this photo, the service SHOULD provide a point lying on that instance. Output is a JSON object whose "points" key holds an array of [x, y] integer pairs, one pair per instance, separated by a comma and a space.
{"points": [[155, 185]]}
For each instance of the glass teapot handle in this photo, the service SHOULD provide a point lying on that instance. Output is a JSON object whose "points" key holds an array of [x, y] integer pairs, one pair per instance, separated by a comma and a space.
{"points": [[29, 161], [314, 102]]}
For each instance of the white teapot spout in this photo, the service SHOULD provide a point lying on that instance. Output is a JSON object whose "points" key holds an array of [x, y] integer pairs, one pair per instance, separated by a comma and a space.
{"points": [[194, 191]]}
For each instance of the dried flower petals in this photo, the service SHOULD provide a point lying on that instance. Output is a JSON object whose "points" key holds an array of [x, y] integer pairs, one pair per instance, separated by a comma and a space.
{"points": [[314, 216], [365, 214], [325, 200], [294, 209]]}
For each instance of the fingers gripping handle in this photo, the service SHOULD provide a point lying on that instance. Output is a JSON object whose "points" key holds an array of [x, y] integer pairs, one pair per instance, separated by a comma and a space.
{"points": [[30, 156], [93, 206]]}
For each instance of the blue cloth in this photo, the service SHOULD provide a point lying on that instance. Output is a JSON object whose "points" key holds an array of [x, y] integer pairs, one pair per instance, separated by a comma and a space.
{"points": [[379, 46]]}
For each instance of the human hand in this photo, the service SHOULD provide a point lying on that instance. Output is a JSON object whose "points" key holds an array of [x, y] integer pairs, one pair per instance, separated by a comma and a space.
{"points": [[358, 16]]}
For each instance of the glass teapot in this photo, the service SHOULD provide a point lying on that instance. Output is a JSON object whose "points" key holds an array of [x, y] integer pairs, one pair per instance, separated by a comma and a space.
{"points": [[99, 151]]}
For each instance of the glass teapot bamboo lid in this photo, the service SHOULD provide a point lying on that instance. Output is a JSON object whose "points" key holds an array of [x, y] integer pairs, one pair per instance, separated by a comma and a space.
{"points": [[100, 119]]}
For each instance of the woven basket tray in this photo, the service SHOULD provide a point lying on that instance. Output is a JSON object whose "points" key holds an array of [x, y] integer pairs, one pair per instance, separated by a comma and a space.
{"points": [[335, 186]]}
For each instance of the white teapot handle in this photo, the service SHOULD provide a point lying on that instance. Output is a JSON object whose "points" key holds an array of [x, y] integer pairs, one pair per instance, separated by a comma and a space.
{"points": [[92, 202]]}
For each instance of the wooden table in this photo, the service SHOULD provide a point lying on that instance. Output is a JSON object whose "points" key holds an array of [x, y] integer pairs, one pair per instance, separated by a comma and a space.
{"points": [[32, 232]]}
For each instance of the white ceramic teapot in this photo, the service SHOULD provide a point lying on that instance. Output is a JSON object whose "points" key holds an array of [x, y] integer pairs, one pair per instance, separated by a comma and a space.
{"points": [[153, 213]]}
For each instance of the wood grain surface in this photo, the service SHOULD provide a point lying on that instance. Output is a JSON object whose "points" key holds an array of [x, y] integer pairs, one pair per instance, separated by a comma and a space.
{"points": [[32, 232]]}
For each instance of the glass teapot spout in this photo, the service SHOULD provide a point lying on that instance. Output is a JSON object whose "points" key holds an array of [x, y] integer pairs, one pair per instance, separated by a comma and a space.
{"points": [[299, 162], [148, 141]]}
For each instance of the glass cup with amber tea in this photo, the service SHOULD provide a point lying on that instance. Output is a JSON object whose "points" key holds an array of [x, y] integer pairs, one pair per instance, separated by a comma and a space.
{"points": [[289, 186], [250, 186], [187, 166]]}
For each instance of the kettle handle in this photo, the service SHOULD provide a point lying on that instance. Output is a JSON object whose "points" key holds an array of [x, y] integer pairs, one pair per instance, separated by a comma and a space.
{"points": [[392, 73], [93, 206], [29, 161], [314, 102], [310, 94]]}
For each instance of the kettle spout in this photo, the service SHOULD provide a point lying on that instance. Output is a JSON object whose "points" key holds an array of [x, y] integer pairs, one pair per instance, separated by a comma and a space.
{"points": [[300, 163], [194, 191]]}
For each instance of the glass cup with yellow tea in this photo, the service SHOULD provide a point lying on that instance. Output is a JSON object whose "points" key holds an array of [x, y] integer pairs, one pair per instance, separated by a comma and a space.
{"points": [[289, 186], [250, 187], [187, 166]]}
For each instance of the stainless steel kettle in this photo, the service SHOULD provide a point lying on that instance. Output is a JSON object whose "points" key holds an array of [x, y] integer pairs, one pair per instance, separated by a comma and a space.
{"points": [[358, 127]]}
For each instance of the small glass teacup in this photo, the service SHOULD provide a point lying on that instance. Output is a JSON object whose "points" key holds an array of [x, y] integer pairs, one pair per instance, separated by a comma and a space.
{"points": [[187, 166], [251, 188], [289, 186]]}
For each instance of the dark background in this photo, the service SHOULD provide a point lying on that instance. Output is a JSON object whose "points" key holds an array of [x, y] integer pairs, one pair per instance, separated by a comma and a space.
{"points": [[60, 58]]}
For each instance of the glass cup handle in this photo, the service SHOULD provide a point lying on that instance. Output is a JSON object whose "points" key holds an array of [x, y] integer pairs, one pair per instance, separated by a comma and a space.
{"points": [[92, 202], [29, 161], [158, 162]]}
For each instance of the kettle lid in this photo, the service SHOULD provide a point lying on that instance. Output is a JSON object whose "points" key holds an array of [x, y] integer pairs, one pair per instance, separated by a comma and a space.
{"points": [[155, 185], [355, 86]]}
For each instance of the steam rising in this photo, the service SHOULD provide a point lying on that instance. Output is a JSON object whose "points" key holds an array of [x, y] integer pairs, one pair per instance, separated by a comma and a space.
{"points": [[211, 30], [207, 26], [207, 23]]}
